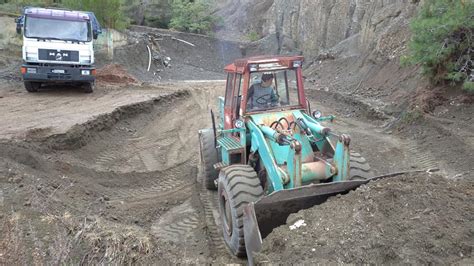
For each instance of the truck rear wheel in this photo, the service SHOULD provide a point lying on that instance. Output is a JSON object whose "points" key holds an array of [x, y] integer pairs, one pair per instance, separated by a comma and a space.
{"points": [[89, 87], [209, 157], [31, 86], [238, 185], [359, 167]]}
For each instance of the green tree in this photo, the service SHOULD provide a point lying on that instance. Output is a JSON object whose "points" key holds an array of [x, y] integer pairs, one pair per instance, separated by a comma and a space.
{"points": [[442, 42], [192, 16], [108, 12]]}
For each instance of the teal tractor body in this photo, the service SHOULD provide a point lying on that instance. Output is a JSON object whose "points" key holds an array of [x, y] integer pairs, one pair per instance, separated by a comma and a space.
{"points": [[268, 155]]}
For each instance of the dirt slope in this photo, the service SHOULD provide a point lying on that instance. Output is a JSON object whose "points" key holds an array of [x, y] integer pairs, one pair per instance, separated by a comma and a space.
{"points": [[415, 219], [111, 185]]}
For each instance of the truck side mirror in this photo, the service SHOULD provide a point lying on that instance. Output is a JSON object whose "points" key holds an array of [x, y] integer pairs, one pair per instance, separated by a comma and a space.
{"points": [[19, 24], [95, 34]]}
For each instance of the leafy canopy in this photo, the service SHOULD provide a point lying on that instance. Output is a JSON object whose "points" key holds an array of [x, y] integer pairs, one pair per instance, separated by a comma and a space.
{"points": [[109, 12], [442, 42], [192, 16]]}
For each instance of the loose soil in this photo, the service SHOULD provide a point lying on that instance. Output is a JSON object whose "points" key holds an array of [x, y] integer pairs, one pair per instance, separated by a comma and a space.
{"points": [[117, 183], [111, 185], [411, 219], [115, 73], [113, 177]]}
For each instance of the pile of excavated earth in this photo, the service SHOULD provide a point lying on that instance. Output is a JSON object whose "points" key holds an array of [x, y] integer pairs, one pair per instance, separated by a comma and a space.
{"points": [[417, 218]]}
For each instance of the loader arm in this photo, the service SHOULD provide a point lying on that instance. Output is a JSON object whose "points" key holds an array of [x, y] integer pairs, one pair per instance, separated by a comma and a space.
{"points": [[259, 144]]}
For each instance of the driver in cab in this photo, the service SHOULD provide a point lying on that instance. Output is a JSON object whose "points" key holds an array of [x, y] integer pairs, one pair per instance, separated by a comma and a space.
{"points": [[262, 95]]}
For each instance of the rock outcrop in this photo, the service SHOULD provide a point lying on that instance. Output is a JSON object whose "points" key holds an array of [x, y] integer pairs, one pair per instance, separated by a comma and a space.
{"points": [[312, 26]]}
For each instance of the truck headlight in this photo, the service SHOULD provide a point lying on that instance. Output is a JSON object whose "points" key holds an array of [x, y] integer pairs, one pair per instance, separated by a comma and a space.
{"points": [[31, 56], [85, 59], [85, 72]]}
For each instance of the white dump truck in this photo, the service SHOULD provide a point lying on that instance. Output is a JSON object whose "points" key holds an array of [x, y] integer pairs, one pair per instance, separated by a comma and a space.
{"points": [[58, 47]]}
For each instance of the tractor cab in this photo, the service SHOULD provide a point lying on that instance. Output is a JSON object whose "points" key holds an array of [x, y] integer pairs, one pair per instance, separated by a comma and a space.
{"points": [[262, 85], [264, 89]]}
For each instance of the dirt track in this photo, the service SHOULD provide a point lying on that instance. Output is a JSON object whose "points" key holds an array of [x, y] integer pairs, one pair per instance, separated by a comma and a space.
{"points": [[116, 182]]}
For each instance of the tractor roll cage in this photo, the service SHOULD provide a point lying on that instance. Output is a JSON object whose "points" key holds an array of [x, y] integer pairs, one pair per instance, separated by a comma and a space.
{"points": [[239, 82]]}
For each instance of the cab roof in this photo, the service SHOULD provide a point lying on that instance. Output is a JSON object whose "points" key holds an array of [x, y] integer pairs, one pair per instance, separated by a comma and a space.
{"points": [[242, 65], [56, 14]]}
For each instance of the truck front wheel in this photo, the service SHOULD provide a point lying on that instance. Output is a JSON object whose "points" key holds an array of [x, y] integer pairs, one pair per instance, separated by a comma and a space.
{"points": [[32, 86], [89, 87]]}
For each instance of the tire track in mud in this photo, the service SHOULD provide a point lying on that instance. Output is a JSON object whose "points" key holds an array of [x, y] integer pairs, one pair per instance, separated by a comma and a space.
{"points": [[421, 159], [178, 224], [209, 199], [167, 147], [168, 182], [137, 168]]}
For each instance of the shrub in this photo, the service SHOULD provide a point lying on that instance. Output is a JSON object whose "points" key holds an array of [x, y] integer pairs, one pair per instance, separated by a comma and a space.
{"points": [[253, 36], [468, 86], [192, 16], [443, 34], [108, 12]]}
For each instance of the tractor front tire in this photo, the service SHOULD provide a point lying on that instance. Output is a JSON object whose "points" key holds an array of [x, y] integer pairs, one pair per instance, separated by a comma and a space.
{"points": [[238, 185], [359, 167], [209, 157], [89, 87], [31, 86]]}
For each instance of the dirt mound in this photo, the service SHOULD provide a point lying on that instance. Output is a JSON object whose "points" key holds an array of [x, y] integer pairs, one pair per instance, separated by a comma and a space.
{"points": [[427, 99], [115, 73], [415, 219]]}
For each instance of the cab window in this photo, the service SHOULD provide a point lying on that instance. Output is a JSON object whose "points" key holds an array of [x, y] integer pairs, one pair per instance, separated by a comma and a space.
{"points": [[228, 89], [238, 93]]}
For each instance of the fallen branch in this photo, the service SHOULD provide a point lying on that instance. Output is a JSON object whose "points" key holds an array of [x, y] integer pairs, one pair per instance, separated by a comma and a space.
{"points": [[183, 41], [149, 58], [431, 170]]}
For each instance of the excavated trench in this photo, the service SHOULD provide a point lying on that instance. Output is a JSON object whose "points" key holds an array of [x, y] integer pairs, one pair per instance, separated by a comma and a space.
{"points": [[124, 186], [120, 188]]}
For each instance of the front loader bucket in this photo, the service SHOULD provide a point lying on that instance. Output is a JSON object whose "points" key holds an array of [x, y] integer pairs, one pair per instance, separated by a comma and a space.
{"points": [[271, 211]]}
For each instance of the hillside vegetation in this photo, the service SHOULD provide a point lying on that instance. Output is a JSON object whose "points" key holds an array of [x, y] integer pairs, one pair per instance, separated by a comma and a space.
{"points": [[182, 15], [442, 42]]}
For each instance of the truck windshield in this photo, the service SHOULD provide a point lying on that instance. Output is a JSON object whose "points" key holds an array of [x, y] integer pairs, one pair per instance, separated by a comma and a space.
{"points": [[56, 29]]}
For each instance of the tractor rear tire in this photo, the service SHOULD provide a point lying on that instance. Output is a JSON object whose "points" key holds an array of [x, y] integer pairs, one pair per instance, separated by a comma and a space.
{"points": [[209, 157], [359, 168], [31, 86], [238, 185]]}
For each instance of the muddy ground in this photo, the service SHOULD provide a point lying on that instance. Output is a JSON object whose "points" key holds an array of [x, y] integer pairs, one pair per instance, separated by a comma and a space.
{"points": [[116, 182], [113, 176], [417, 218]]}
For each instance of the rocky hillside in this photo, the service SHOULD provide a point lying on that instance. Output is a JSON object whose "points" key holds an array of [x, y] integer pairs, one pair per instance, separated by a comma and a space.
{"points": [[312, 26]]}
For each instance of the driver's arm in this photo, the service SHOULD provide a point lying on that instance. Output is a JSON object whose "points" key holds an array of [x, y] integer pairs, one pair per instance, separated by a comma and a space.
{"points": [[250, 97], [274, 96]]}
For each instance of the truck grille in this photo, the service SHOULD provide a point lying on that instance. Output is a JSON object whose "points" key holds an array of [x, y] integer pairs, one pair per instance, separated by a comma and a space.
{"points": [[59, 76], [58, 55]]}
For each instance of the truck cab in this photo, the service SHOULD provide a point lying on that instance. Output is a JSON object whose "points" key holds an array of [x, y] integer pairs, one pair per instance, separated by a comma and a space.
{"points": [[57, 47]]}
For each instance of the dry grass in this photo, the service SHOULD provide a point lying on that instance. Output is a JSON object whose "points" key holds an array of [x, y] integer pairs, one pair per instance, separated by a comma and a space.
{"points": [[113, 243]]}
